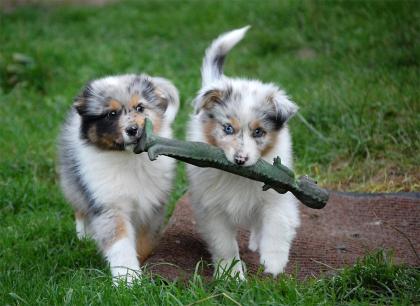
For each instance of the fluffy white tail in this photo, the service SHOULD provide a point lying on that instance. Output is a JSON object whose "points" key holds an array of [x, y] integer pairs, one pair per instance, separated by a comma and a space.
{"points": [[213, 61]]}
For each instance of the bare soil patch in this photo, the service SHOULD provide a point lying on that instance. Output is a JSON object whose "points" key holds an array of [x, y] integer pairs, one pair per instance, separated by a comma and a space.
{"points": [[349, 227]]}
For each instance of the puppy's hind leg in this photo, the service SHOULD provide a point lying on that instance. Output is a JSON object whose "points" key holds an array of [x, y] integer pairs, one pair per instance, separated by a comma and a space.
{"points": [[114, 234], [220, 236], [279, 222]]}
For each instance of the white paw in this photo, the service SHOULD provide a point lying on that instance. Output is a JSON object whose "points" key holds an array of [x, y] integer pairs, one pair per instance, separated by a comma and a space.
{"points": [[122, 275], [235, 269], [82, 235], [274, 262], [240, 272]]}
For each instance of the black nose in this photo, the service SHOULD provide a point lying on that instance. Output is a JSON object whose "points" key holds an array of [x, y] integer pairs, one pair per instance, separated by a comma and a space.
{"points": [[131, 130], [240, 160]]}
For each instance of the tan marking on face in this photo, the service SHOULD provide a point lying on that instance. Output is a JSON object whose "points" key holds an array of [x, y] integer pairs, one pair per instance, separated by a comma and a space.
{"points": [[209, 127], [157, 122], [106, 141], [235, 124], [152, 116], [139, 120], [145, 243], [272, 137], [114, 105], [255, 125], [134, 101]]}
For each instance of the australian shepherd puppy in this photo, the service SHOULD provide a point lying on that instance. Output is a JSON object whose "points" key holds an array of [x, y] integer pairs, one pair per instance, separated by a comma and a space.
{"points": [[247, 119], [118, 196]]}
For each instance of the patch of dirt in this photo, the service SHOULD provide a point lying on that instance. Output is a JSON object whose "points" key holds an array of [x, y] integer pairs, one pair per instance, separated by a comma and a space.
{"points": [[349, 227]]}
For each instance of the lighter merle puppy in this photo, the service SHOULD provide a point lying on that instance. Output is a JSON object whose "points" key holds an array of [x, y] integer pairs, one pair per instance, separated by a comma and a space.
{"points": [[118, 196], [247, 119]]}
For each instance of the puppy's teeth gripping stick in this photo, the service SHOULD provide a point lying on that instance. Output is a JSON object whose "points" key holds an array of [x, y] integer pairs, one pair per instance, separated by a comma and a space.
{"points": [[276, 176]]}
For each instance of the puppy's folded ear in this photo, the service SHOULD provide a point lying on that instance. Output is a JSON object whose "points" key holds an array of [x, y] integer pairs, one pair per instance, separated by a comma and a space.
{"points": [[208, 99], [283, 109], [168, 95], [81, 101]]}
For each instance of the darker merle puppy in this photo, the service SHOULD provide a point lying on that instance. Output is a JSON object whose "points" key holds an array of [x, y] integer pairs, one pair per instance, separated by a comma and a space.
{"points": [[118, 196]]}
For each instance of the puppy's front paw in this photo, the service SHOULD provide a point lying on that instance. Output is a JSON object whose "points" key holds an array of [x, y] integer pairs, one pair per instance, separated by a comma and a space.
{"points": [[274, 262], [122, 275], [234, 268], [82, 235], [81, 229]]}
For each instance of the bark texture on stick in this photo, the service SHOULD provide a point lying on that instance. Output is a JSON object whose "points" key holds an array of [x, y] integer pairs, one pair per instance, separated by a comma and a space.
{"points": [[275, 176]]}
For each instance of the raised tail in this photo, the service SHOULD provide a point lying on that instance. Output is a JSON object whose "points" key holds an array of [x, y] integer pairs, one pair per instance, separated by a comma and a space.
{"points": [[214, 59]]}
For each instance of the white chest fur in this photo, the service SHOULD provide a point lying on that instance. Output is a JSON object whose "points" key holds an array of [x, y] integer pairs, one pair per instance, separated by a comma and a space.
{"points": [[125, 180], [239, 198]]}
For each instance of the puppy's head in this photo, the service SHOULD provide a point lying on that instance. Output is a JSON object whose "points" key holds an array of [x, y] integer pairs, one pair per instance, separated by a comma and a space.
{"points": [[243, 117], [113, 109]]}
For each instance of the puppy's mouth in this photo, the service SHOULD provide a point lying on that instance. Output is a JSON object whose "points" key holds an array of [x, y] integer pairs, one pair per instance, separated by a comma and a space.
{"points": [[133, 140]]}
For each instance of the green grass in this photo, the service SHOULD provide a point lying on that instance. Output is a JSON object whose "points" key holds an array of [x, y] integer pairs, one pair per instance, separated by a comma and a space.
{"points": [[352, 67]]}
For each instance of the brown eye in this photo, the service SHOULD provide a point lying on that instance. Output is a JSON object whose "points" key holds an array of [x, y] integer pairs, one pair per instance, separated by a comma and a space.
{"points": [[258, 132], [112, 114], [139, 108]]}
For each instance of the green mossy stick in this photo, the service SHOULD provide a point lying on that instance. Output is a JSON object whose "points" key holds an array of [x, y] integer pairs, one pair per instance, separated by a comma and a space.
{"points": [[276, 176]]}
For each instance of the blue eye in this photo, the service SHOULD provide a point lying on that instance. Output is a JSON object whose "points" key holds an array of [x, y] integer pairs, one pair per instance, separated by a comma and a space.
{"points": [[228, 129], [258, 132]]}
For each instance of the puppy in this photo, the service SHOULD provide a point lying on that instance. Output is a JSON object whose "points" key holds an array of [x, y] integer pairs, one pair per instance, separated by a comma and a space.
{"points": [[247, 119], [118, 196]]}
